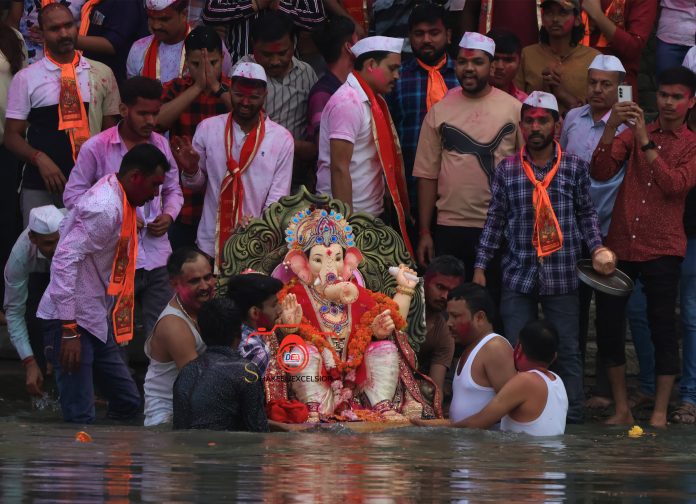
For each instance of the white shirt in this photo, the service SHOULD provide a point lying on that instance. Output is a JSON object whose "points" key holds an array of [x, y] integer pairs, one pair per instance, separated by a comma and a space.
{"points": [[347, 116], [265, 181], [170, 57], [468, 397], [38, 85], [24, 259], [552, 420]]}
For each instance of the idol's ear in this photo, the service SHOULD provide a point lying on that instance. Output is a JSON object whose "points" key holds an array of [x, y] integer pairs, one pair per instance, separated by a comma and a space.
{"points": [[297, 260], [351, 258]]}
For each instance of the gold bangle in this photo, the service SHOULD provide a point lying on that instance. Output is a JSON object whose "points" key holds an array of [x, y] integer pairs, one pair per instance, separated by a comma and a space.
{"points": [[406, 291]]}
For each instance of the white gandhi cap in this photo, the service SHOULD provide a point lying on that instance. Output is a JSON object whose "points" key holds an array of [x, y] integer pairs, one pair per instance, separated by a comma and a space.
{"points": [[45, 219], [158, 5], [473, 40], [249, 70], [379, 43], [539, 99], [607, 63]]}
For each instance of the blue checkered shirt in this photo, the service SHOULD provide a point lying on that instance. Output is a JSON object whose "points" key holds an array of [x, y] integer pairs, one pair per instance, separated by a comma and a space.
{"points": [[254, 349], [407, 106], [511, 216]]}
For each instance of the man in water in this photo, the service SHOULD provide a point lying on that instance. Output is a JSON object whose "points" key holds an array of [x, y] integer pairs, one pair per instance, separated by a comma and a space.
{"points": [[534, 401]]}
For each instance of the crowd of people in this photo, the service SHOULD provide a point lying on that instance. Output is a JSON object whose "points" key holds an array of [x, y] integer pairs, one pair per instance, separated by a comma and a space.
{"points": [[504, 140]]}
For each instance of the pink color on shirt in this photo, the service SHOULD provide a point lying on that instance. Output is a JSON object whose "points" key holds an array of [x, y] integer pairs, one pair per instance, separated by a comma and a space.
{"points": [[102, 155]]}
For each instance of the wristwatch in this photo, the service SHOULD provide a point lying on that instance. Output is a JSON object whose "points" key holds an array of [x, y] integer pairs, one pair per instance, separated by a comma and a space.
{"points": [[222, 90], [648, 146]]}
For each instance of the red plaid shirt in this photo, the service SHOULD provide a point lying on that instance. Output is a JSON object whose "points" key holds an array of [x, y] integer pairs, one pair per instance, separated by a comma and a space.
{"points": [[205, 106]]}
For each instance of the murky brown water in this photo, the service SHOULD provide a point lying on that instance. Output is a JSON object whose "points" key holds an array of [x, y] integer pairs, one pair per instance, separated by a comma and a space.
{"points": [[41, 462]]}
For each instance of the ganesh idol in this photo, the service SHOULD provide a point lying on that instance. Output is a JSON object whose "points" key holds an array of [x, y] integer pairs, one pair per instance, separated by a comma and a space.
{"points": [[353, 337]]}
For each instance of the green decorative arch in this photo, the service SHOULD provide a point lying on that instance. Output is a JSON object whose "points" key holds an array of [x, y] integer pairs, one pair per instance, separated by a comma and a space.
{"points": [[261, 247]]}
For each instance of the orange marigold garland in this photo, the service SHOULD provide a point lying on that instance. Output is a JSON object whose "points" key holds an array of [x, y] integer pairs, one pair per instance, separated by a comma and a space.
{"points": [[359, 339]]}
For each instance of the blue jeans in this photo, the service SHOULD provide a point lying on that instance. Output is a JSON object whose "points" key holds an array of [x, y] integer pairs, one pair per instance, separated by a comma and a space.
{"points": [[687, 384], [563, 312], [100, 364], [637, 314], [668, 55]]}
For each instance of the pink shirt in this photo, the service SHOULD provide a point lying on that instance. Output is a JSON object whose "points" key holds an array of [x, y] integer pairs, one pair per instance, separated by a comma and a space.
{"points": [[347, 116], [81, 266], [265, 181], [102, 155]]}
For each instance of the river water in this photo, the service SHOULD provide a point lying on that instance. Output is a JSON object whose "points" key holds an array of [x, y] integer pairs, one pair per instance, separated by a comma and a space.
{"points": [[40, 461]]}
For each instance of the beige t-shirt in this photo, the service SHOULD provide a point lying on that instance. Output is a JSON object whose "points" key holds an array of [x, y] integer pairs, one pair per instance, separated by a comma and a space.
{"points": [[461, 142], [573, 69]]}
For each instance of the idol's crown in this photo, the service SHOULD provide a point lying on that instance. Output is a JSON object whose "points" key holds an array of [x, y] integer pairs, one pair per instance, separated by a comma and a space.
{"points": [[318, 227]]}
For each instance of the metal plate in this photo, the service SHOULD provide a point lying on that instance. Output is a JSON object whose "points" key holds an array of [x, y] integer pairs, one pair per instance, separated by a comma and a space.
{"points": [[616, 284]]}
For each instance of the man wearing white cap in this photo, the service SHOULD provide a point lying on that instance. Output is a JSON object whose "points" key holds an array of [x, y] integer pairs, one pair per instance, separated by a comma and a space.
{"points": [[31, 253], [161, 55], [242, 160], [462, 139], [582, 129], [541, 204], [359, 154]]}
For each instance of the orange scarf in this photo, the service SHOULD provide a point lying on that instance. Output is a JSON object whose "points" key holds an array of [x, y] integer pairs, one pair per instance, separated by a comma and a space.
{"points": [[437, 89], [232, 189], [151, 66], [615, 12], [122, 282], [72, 115], [389, 151], [85, 15], [547, 237]]}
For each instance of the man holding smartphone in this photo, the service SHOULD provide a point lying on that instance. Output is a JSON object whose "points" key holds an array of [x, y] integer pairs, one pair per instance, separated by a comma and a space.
{"points": [[646, 230]]}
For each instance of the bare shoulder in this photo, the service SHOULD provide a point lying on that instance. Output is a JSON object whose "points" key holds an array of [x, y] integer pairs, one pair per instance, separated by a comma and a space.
{"points": [[499, 346], [171, 327]]}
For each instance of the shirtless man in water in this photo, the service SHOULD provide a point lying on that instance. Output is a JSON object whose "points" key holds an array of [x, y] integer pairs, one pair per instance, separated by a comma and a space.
{"points": [[534, 401]]}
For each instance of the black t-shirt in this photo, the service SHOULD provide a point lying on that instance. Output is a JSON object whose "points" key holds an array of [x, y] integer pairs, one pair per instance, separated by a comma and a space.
{"points": [[121, 22]]}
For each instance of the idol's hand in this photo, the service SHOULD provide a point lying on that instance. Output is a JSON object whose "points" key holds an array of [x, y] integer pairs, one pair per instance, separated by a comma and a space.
{"points": [[291, 310], [401, 278], [383, 325]]}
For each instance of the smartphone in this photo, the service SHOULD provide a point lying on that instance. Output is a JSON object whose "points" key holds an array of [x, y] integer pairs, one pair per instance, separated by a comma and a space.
{"points": [[625, 93]]}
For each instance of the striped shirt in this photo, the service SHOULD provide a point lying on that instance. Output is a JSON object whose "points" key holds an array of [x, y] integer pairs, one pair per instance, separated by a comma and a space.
{"points": [[237, 15], [286, 102]]}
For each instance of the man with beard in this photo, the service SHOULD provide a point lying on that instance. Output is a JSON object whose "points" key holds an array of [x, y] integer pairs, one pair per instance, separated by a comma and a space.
{"points": [[176, 340], [102, 155], [463, 138], [358, 151], [424, 81], [161, 55], [242, 160], [435, 355], [53, 107], [541, 204]]}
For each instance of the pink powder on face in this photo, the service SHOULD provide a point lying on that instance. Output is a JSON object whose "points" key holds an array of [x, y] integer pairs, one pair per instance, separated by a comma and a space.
{"points": [[469, 53], [568, 25]]}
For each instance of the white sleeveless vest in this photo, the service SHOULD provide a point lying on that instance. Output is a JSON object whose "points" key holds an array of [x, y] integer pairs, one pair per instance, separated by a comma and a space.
{"points": [[468, 397], [159, 380], [552, 420]]}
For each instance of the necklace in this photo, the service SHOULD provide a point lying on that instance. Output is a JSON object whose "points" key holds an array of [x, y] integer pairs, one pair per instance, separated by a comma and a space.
{"points": [[181, 307], [333, 316]]}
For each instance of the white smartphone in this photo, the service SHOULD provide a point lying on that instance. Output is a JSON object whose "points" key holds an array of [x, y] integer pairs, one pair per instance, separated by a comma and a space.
{"points": [[625, 93]]}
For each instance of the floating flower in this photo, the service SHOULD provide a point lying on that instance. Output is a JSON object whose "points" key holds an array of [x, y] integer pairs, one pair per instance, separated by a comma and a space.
{"points": [[635, 432]]}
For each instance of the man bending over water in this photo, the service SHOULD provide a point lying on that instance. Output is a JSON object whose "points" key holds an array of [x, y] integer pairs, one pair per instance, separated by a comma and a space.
{"points": [[534, 401]]}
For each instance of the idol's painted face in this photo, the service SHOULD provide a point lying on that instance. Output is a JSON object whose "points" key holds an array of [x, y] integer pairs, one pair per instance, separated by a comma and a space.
{"points": [[473, 69], [326, 263]]}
